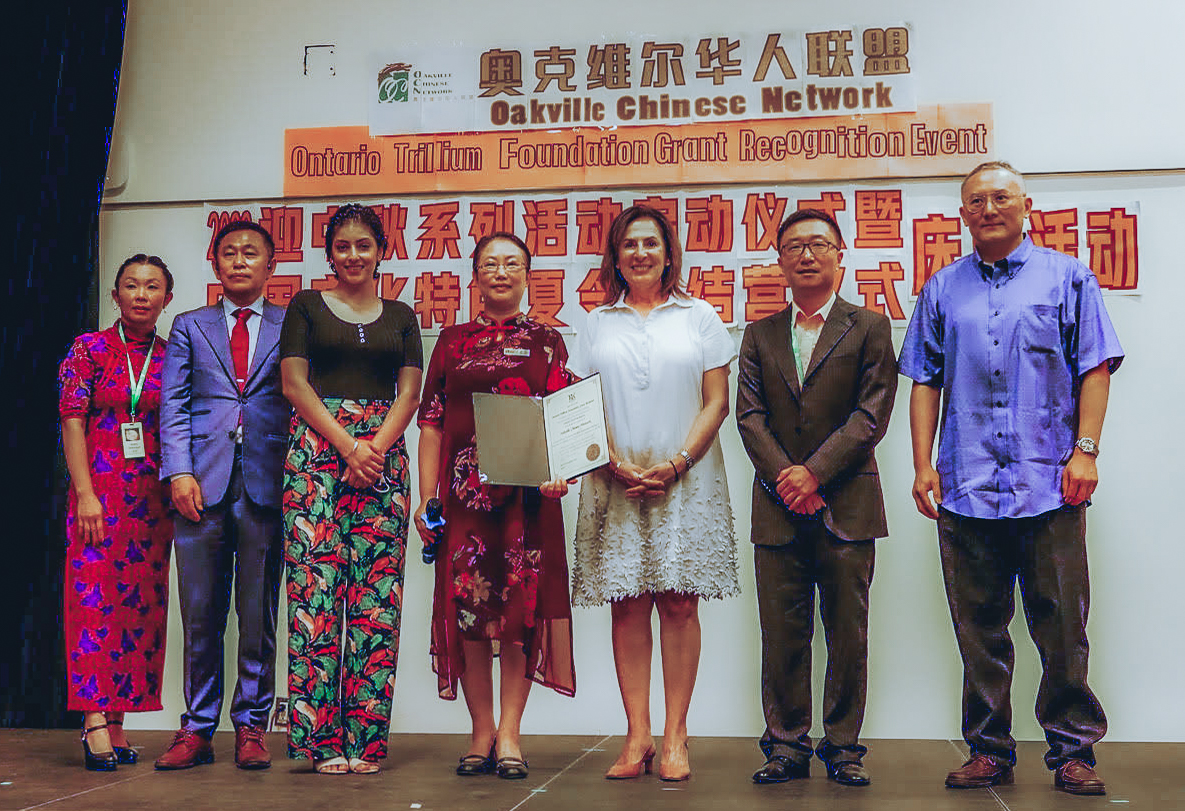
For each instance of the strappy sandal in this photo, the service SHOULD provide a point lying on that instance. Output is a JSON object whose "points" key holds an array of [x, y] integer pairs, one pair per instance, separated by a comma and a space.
{"points": [[512, 768], [332, 765], [360, 766], [97, 761], [124, 754], [473, 765]]}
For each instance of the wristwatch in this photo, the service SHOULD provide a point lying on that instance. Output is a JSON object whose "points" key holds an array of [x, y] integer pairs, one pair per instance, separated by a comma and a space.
{"points": [[1087, 445]]}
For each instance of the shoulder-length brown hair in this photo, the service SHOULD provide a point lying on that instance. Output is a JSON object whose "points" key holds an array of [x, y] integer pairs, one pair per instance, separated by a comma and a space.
{"points": [[611, 279]]}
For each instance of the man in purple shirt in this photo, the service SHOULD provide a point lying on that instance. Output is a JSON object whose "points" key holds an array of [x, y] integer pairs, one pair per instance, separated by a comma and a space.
{"points": [[1014, 343]]}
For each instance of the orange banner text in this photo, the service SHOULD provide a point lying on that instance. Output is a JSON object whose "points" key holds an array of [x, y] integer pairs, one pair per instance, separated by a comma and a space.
{"points": [[348, 161]]}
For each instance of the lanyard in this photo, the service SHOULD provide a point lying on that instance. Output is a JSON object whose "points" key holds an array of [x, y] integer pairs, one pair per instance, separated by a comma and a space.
{"points": [[794, 350], [137, 386]]}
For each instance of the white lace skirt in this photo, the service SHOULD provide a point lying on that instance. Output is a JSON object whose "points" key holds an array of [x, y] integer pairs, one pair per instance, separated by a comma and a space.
{"points": [[681, 542]]}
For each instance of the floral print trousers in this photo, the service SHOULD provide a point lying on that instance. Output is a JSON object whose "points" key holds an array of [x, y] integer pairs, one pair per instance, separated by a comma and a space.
{"points": [[345, 553]]}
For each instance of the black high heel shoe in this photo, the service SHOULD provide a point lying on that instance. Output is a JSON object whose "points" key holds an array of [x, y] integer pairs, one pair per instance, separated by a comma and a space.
{"points": [[101, 762], [124, 754]]}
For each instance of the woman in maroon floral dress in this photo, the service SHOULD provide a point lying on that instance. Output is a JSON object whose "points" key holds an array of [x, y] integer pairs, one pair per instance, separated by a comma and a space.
{"points": [[119, 536], [501, 570]]}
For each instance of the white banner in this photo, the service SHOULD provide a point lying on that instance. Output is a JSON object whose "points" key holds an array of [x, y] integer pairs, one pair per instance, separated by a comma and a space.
{"points": [[642, 79]]}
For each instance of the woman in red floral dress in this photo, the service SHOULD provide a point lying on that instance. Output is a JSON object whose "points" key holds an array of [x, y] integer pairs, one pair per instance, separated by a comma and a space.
{"points": [[119, 535], [501, 570]]}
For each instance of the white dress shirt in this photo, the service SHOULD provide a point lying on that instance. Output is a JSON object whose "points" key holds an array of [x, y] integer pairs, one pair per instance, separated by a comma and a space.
{"points": [[256, 307], [806, 328]]}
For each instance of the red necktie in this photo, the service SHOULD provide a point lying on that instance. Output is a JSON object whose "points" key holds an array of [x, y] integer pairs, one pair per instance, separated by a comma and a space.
{"points": [[240, 342]]}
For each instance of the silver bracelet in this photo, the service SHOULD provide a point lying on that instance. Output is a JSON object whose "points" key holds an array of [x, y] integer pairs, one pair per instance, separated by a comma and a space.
{"points": [[351, 453], [687, 458]]}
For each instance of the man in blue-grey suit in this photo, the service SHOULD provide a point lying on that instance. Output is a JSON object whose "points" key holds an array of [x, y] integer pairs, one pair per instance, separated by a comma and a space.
{"points": [[224, 432]]}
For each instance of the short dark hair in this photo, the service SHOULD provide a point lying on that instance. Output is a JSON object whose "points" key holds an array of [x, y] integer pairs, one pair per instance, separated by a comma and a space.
{"points": [[145, 259], [506, 235], [987, 167], [611, 280], [363, 215], [809, 214], [245, 225]]}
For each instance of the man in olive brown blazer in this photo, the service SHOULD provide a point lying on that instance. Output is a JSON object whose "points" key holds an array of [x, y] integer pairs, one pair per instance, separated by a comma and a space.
{"points": [[816, 387]]}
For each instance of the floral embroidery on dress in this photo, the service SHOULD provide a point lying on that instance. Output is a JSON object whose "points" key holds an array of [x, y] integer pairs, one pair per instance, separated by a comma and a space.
{"points": [[513, 385], [467, 482], [433, 411]]}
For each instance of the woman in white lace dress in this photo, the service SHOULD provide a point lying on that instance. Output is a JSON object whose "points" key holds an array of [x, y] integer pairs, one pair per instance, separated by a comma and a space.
{"points": [[655, 528]]}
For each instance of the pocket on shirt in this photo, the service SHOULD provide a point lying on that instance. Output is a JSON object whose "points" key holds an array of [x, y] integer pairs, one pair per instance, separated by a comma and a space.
{"points": [[1041, 329]]}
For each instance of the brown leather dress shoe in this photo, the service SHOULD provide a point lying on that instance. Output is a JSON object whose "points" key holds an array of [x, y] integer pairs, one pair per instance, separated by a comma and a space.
{"points": [[1077, 777], [251, 748], [979, 772], [187, 750], [849, 773]]}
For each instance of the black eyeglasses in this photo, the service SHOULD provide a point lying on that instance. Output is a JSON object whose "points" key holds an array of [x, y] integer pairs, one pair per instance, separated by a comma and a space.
{"points": [[818, 247]]}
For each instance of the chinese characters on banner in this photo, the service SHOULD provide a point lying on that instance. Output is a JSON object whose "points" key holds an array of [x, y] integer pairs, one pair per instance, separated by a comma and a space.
{"points": [[827, 104], [895, 242], [637, 79]]}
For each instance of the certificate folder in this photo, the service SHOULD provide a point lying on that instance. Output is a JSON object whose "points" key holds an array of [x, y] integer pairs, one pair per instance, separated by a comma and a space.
{"points": [[525, 441]]}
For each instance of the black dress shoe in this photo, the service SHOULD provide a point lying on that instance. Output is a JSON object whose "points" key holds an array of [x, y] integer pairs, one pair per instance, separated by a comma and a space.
{"points": [[780, 769], [126, 755], [848, 773], [97, 761]]}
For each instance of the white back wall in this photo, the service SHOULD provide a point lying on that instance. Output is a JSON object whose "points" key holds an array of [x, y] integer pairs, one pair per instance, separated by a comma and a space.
{"points": [[1080, 104]]}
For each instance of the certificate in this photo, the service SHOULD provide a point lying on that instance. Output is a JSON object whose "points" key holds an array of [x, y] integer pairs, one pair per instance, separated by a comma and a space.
{"points": [[526, 441]]}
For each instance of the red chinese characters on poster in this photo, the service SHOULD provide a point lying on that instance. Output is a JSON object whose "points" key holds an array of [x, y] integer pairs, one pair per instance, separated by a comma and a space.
{"points": [[727, 236], [1056, 230], [936, 244], [714, 285], [878, 219], [1114, 255]]}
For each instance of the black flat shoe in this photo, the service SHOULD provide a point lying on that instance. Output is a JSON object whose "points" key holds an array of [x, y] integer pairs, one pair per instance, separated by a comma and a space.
{"points": [[512, 768], [473, 765], [100, 761]]}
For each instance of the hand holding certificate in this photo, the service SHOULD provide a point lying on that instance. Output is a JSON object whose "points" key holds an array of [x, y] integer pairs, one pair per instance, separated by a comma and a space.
{"points": [[527, 440]]}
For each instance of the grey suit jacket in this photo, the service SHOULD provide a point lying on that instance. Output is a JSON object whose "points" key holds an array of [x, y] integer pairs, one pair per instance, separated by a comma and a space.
{"points": [[831, 421], [201, 406]]}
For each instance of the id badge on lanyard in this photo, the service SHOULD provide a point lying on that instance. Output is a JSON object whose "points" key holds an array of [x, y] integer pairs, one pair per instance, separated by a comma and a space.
{"points": [[132, 433]]}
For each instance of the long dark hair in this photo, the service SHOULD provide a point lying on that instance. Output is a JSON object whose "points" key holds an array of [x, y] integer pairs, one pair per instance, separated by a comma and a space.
{"points": [[611, 279]]}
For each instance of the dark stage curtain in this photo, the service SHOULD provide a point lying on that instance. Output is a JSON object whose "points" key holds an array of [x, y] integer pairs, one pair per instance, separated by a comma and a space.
{"points": [[64, 73]]}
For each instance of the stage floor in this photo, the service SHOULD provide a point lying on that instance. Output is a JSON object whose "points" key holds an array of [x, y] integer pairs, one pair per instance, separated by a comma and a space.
{"points": [[43, 769]]}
